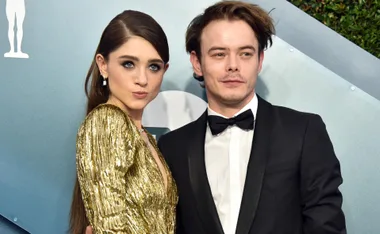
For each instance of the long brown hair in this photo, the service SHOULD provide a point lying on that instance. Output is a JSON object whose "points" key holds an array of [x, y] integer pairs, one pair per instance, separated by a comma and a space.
{"points": [[123, 26]]}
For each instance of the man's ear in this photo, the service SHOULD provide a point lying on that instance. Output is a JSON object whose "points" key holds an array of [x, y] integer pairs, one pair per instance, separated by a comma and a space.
{"points": [[261, 59], [102, 65], [196, 63]]}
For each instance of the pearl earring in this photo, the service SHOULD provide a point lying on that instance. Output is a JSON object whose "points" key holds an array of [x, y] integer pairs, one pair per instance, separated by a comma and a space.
{"points": [[104, 80]]}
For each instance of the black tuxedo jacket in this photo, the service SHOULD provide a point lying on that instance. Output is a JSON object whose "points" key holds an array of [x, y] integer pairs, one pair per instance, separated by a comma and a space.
{"points": [[291, 184]]}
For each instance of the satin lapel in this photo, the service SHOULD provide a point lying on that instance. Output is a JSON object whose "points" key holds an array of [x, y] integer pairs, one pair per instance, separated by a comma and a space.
{"points": [[198, 178], [256, 166]]}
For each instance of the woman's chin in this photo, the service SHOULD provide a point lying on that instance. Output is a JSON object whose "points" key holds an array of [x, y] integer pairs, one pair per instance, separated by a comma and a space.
{"points": [[138, 105]]}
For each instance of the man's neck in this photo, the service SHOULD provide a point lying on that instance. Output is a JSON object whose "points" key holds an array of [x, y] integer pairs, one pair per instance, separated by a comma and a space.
{"points": [[228, 110]]}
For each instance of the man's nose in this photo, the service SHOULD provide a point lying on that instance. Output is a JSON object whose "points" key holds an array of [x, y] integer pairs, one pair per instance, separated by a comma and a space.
{"points": [[233, 64]]}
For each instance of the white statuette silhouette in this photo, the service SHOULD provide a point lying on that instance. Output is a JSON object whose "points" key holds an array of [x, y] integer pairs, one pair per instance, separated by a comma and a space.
{"points": [[15, 11]]}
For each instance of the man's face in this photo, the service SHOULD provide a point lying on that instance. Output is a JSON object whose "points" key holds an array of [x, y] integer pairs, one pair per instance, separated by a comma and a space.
{"points": [[229, 63]]}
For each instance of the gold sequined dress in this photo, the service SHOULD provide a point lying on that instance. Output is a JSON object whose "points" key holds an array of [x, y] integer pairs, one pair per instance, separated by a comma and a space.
{"points": [[122, 187]]}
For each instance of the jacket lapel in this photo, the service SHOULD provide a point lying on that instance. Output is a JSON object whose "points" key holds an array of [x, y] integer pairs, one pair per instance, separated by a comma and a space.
{"points": [[256, 167], [198, 178]]}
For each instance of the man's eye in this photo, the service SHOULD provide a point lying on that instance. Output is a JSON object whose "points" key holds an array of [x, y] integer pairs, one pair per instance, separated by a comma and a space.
{"points": [[247, 54]]}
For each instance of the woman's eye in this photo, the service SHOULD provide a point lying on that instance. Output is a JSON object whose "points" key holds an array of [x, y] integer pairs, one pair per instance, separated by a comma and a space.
{"points": [[154, 67], [128, 64]]}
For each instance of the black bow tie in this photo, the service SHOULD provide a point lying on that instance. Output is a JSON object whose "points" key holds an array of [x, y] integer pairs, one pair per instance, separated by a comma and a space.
{"points": [[219, 124]]}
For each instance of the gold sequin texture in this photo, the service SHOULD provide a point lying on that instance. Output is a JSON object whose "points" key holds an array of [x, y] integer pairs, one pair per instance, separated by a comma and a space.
{"points": [[122, 187]]}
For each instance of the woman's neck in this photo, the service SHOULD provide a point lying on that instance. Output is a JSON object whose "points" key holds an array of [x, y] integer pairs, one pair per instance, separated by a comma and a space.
{"points": [[135, 115]]}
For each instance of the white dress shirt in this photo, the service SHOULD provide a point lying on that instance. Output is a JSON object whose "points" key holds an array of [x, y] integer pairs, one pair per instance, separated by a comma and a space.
{"points": [[226, 158]]}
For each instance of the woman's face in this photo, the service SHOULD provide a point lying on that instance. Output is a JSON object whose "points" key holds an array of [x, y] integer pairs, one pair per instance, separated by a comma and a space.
{"points": [[134, 74]]}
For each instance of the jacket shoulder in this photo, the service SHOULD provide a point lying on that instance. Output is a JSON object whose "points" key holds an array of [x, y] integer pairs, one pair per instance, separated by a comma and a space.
{"points": [[177, 134], [295, 119]]}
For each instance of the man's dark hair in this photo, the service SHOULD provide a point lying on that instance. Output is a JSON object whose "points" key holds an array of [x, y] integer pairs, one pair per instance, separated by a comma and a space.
{"points": [[257, 18]]}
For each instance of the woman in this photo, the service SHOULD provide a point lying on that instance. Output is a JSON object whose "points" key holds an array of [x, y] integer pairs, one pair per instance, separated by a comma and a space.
{"points": [[124, 184]]}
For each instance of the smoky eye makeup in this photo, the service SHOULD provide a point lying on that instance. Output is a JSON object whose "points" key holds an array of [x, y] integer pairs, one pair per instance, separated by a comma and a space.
{"points": [[128, 64], [154, 67]]}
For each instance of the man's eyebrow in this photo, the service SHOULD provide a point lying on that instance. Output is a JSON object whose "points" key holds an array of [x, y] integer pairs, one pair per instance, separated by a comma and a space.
{"points": [[250, 47], [247, 47], [216, 48]]}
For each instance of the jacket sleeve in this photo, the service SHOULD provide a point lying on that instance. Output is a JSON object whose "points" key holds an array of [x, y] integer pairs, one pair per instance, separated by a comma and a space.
{"points": [[320, 181]]}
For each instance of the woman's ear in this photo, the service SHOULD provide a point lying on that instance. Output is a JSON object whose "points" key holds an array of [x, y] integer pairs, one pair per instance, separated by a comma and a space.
{"points": [[102, 65], [166, 67]]}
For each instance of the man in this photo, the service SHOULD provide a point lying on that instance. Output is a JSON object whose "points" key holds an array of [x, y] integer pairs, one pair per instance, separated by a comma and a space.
{"points": [[246, 166]]}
